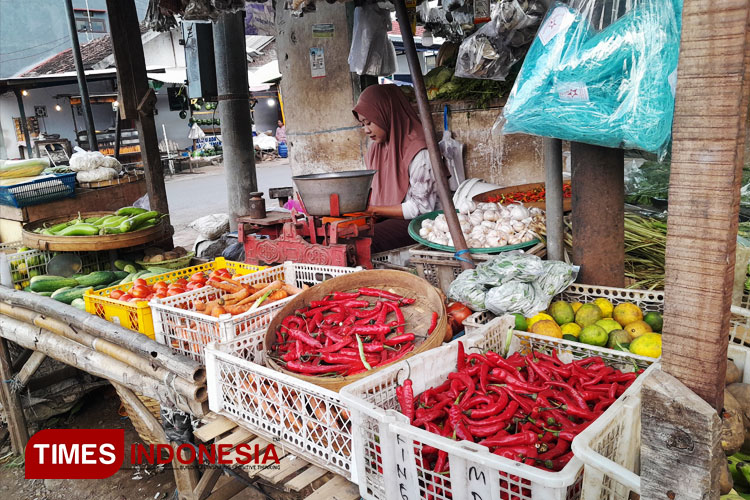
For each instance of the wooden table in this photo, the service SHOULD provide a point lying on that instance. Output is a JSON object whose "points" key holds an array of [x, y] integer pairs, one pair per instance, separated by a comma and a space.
{"points": [[86, 200], [292, 479]]}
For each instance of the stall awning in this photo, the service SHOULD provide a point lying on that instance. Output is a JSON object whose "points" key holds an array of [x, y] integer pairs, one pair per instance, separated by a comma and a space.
{"points": [[263, 74], [170, 75]]}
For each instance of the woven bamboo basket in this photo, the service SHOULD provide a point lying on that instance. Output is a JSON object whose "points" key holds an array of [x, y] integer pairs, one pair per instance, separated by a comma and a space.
{"points": [[417, 316], [141, 428]]}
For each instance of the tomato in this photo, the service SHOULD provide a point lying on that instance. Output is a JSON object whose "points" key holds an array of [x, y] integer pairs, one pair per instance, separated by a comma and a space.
{"points": [[140, 291], [125, 297], [194, 285], [224, 272], [175, 291], [116, 294], [150, 296], [161, 295], [139, 282], [136, 299], [198, 277], [182, 282], [459, 312], [158, 285]]}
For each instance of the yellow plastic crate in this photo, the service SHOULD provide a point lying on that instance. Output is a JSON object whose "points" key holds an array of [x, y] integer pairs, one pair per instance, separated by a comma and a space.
{"points": [[137, 315]]}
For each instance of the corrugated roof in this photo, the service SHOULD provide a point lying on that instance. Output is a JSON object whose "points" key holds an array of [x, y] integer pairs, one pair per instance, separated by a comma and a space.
{"points": [[91, 53]]}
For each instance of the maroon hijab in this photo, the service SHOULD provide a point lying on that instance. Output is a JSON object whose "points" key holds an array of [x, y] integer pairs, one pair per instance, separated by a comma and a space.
{"points": [[387, 107]]}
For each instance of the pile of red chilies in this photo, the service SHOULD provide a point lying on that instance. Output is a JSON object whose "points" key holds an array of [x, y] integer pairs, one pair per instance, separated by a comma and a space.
{"points": [[343, 335], [527, 407]]}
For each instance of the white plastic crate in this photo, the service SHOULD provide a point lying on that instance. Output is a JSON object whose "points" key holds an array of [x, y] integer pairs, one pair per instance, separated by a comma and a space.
{"points": [[25, 265], [647, 300], [397, 259], [187, 332], [388, 447], [307, 419], [610, 447]]}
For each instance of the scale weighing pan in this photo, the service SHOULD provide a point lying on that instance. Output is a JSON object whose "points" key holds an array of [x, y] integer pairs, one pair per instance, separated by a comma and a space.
{"points": [[64, 264]]}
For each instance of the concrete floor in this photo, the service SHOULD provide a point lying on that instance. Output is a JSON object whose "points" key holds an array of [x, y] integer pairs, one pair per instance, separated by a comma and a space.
{"points": [[203, 192]]}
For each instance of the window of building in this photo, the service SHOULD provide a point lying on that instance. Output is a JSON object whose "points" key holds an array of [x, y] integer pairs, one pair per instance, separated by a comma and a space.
{"points": [[84, 25]]}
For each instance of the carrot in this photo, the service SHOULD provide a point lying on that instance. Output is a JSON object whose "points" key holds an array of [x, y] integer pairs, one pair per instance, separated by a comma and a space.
{"points": [[273, 286], [278, 295], [199, 306], [228, 280], [218, 311], [227, 287], [238, 308], [239, 295], [291, 289]]}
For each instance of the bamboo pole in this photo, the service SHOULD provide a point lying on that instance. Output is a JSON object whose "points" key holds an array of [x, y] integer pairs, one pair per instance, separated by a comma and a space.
{"points": [[27, 371], [163, 375], [81, 320], [95, 363], [141, 412]]}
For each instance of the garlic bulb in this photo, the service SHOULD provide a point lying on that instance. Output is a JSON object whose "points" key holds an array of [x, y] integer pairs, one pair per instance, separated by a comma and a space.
{"points": [[476, 218], [491, 215], [518, 212], [467, 207], [487, 225]]}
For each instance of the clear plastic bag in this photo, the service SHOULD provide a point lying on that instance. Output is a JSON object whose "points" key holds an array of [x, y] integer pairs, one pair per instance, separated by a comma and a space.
{"points": [[491, 51], [372, 53], [515, 297], [469, 289], [607, 85]]}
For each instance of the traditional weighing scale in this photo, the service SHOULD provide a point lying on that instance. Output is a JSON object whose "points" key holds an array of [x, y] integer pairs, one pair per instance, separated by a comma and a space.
{"points": [[333, 232]]}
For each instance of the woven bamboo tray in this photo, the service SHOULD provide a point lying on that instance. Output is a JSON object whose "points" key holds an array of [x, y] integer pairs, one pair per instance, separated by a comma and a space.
{"points": [[89, 243], [417, 315], [140, 427]]}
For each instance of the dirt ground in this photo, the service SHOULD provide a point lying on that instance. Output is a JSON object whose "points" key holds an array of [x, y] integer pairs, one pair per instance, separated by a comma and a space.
{"points": [[99, 411]]}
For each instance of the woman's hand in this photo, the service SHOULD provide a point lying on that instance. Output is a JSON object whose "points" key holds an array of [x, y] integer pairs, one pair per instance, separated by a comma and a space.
{"points": [[391, 211]]}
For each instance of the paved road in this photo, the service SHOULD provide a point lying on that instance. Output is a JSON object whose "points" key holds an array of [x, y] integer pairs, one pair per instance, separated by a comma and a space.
{"points": [[204, 192]]}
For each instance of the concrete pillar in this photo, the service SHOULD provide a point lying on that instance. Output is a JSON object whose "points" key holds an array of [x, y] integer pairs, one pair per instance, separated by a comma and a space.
{"points": [[234, 110], [321, 130]]}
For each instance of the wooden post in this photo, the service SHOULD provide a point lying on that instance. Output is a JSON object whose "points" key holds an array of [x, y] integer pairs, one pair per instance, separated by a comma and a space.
{"points": [[19, 434], [138, 100], [709, 134], [597, 178]]}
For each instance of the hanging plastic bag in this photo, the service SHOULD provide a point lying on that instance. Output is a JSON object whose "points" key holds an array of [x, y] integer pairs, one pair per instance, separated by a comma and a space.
{"points": [[196, 132], [372, 53], [491, 51], [612, 86], [453, 154]]}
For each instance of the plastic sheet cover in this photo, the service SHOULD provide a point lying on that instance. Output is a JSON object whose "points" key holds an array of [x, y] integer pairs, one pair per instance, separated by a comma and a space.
{"points": [[612, 86]]}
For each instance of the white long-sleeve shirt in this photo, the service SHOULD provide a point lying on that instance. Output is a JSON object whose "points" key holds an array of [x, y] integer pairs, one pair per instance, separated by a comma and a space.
{"points": [[422, 194]]}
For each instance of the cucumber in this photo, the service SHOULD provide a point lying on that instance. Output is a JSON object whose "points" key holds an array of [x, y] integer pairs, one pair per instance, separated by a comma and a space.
{"points": [[49, 283], [96, 278], [127, 279], [43, 294], [131, 268], [131, 211], [79, 304], [123, 264], [67, 295], [159, 270], [119, 275]]}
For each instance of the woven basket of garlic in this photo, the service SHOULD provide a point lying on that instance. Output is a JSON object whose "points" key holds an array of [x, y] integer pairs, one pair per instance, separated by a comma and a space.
{"points": [[487, 225]]}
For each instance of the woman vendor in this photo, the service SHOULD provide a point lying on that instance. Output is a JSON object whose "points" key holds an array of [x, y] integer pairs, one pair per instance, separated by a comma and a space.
{"points": [[404, 185]]}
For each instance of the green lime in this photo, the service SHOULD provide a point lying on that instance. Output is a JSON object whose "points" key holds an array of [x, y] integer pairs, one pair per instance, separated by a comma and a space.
{"points": [[570, 337], [608, 324], [654, 320], [618, 337], [561, 312], [593, 335], [521, 325], [588, 314]]}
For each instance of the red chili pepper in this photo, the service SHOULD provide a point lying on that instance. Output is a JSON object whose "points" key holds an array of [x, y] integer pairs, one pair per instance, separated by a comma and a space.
{"points": [[433, 322], [572, 392], [305, 338], [344, 295], [374, 292], [399, 316], [409, 398], [475, 400], [488, 411], [309, 369], [337, 346], [522, 438], [461, 358], [398, 339], [369, 330]]}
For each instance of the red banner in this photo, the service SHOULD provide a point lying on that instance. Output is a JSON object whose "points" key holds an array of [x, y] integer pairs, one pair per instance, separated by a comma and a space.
{"points": [[75, 453]]}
